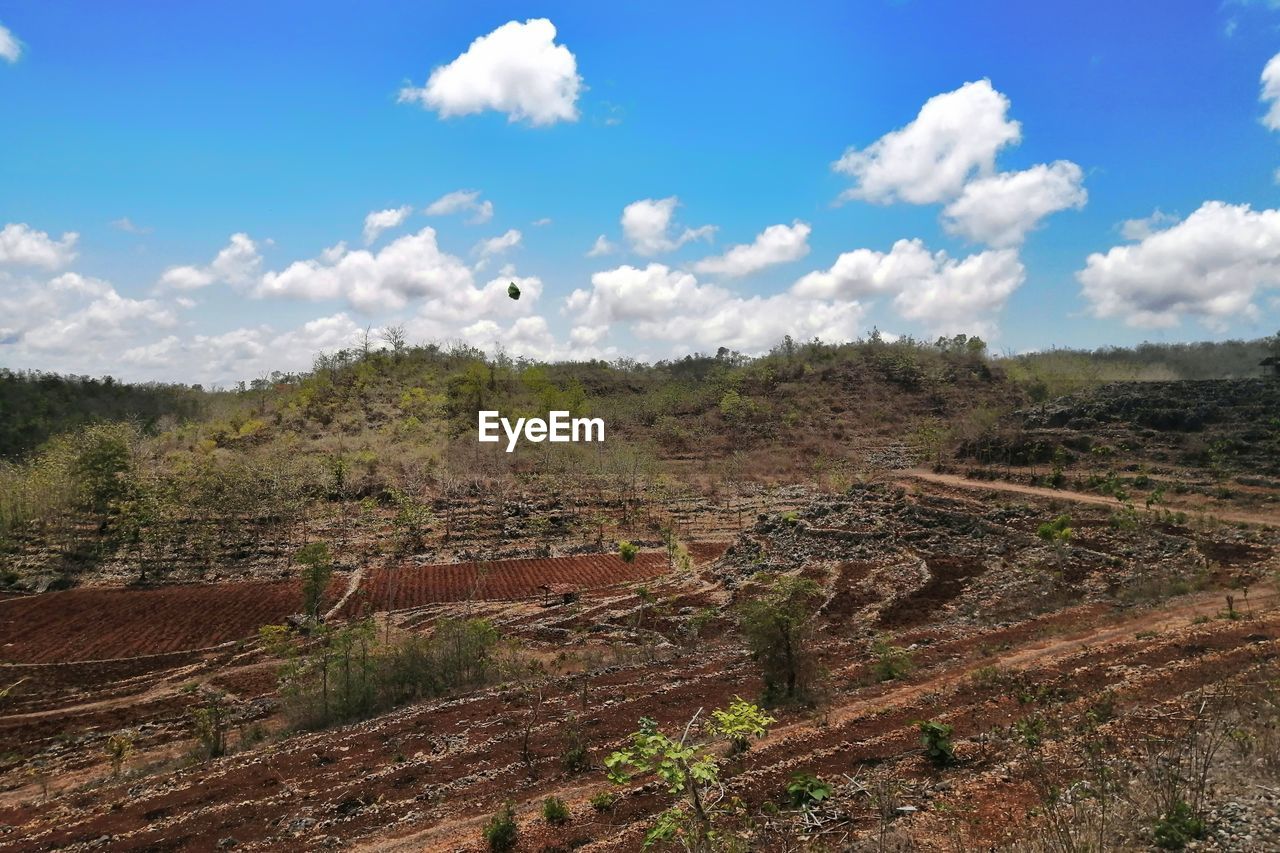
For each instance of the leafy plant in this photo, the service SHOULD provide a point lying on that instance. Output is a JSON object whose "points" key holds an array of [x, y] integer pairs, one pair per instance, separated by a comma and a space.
{"points": [[1177, 827], [807, 790], [739, 723], [502, 831], [604, 801], [892, 662], [627, 551], [119, 747], [554, 810], [935, 737], [317, 568]]}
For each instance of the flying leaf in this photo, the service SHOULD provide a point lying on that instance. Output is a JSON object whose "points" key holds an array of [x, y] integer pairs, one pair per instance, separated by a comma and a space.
{"points": [[513, 291]]}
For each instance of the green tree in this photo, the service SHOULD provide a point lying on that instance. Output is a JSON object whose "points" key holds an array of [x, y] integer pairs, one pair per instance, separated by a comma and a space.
{"points": [[317, 569], [778, 627]]}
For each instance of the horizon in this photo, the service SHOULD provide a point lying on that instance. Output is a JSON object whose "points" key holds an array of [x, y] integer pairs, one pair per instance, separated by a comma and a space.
{"points": [[189, 200]]}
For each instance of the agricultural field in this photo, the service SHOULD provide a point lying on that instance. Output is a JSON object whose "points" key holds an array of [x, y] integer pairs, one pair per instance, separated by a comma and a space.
{"points": [[974, 627]]}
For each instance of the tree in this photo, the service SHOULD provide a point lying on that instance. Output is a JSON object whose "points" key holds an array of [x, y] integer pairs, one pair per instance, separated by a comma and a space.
{"points": [[317, 568], [777, 626], [690, 772]]}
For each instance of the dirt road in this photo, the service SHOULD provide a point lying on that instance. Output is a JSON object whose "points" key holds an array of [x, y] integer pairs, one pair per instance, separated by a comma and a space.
{"points": [[956, 481]]}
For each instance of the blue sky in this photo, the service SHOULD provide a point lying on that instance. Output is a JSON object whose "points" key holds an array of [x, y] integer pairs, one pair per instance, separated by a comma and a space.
{"points": [[154, 132]]}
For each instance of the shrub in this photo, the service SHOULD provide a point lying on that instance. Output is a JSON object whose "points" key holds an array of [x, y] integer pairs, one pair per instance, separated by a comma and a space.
{"points": [[807, 790], [577, 755], [627, 551], [1178, 826], [604, 801], [739, 723], [935, 737], [892, 662], [502, 831], [119, 747], [554, 810]]}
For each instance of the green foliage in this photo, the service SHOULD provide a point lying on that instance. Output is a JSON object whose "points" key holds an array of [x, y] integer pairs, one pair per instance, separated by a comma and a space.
{"points": [[777, 625], [317, 569], [806, 790], [412, 520], [892, 662], [1178, 827], [935, 737], [1056, 531], [502, 832], [739, 723], [554, 810], [687, 771], [209, 726], [627, 551], [119, 747], [1030, 731], [603, 801]]}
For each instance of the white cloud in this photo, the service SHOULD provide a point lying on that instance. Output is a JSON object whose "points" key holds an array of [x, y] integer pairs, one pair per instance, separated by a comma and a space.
{"points": [[460, 201], [542, 223], [380, 220], [1140, 229], [776, 244], [647, 226], [236, 265], [1000, 209], [1271, 92], [955, 136], [946, 294], [243, 353], [22, 245], [497, 245], [73, 323], [664, 304], [128, 226], [10, 47], [517, 69], [409, 267], [1211, 265], [602, 246]]}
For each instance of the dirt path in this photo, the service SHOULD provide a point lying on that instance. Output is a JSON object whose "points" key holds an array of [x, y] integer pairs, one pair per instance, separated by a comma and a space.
{"points": [[1264, 519], [353, 584]]}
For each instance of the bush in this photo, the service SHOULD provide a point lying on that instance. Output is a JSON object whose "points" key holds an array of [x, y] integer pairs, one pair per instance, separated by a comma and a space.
{"points": [[808, 790], [936, 739], [554, 810], [604, 801], [1178, 826], [502, 831], [892, 662], [627, 551]]}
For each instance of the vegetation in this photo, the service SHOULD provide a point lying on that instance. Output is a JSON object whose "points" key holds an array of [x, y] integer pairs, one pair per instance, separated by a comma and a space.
{"points": [[690, 773], [502, 832], [777, 625], [554, 810], [936, 739]]}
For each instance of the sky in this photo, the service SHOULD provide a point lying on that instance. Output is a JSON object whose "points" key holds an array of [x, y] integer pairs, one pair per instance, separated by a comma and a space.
{"points": [[207, 192]]}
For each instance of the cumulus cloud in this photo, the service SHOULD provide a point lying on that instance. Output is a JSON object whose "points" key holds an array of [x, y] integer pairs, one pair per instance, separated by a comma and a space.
{"points": [[22, 245], [244, 353], [776, 244], [517, 69], [380, 220], [1210, 266], [1000, 209], [460, 201], [409, 267], [236, 265], [72, 322], [665, 304], [1271, 92], [602, 246], [947, 295], [1140, 229], [10, 47], [955, 136], [647, 226]]}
